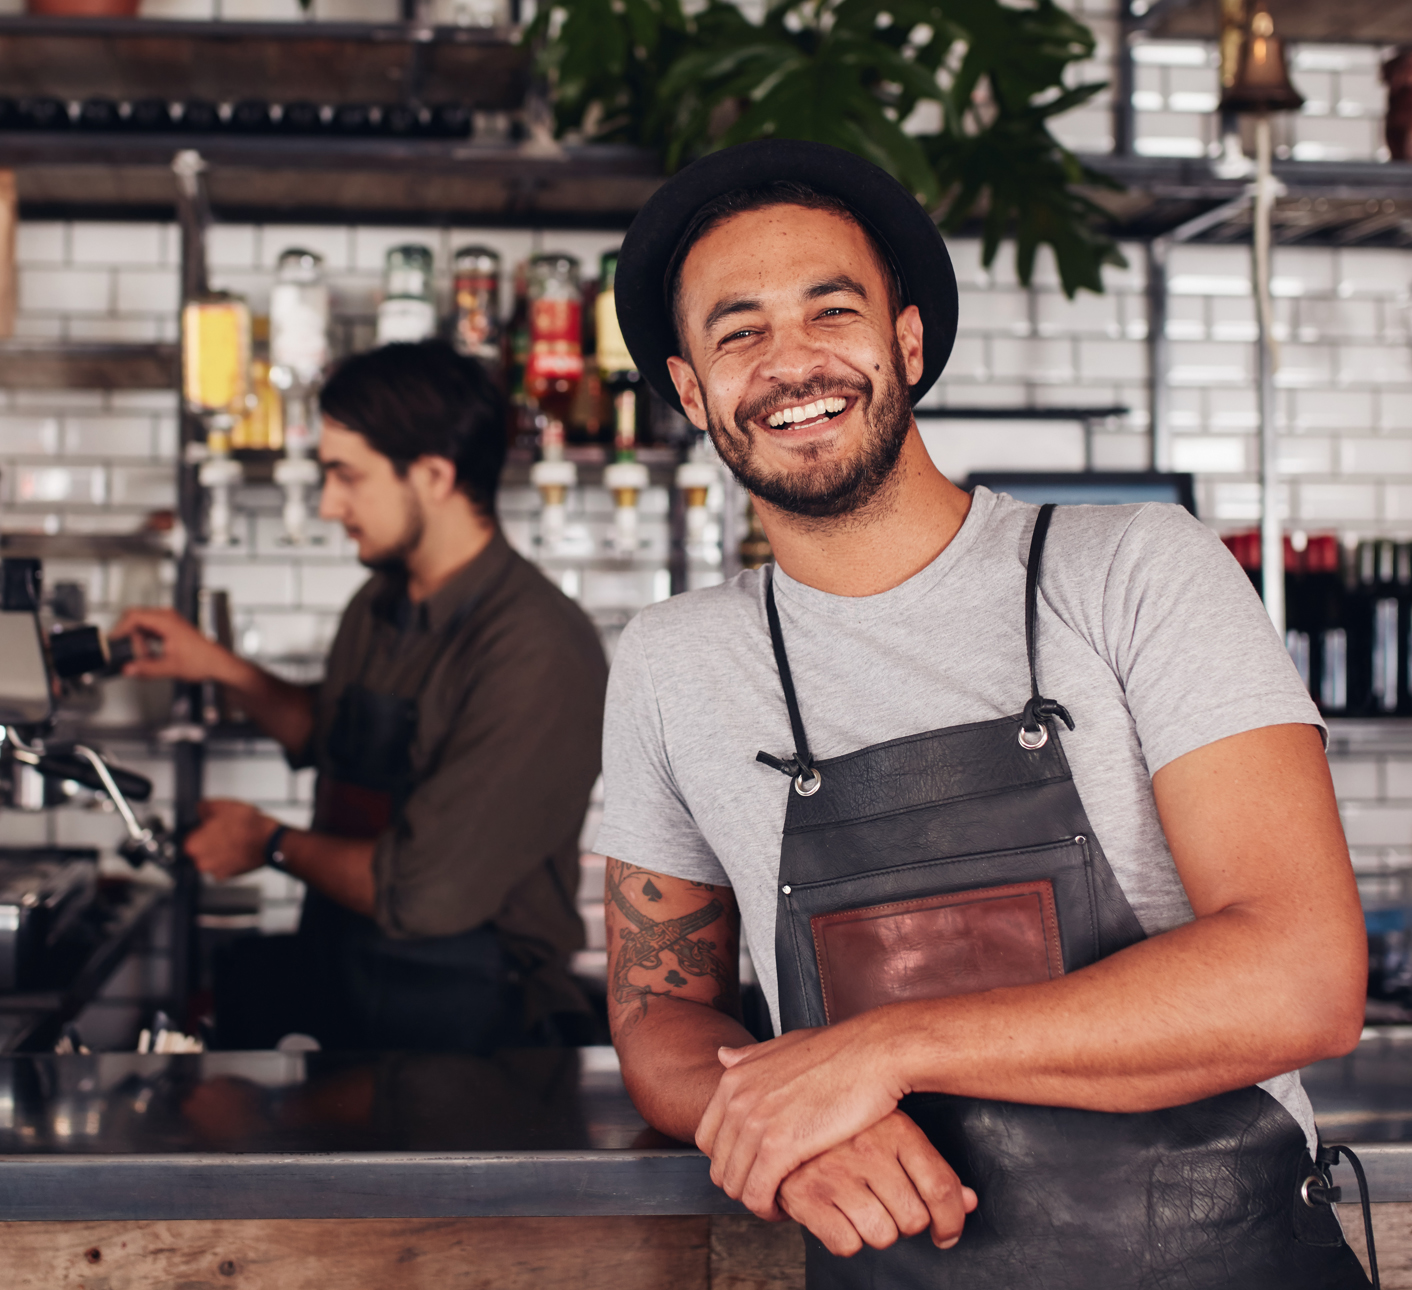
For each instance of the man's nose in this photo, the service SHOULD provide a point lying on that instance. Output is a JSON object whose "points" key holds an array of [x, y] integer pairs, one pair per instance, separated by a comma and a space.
{"points": [[794, 356], [330, 507]]}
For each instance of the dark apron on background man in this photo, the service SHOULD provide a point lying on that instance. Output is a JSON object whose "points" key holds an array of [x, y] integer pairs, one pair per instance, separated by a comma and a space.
{"points": [[341, 978], [451, 992], [962, 860]]}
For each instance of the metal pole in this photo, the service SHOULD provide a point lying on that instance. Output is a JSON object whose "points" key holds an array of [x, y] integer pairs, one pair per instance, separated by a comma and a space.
{"points": [[1124, 118], [1158, 355], [188, 753], [1272, 547]]}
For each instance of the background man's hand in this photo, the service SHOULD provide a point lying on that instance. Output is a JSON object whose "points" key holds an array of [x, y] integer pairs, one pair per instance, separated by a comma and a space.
{"points": [[166, 645], [786, 1101], [887, 1182], [230, 840]]}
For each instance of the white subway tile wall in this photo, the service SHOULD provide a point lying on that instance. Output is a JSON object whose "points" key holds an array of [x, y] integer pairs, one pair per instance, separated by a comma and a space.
{"points": [[1176, 90]]}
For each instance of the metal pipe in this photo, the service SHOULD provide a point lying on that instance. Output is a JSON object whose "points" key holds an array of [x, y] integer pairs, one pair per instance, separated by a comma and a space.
{"points": [[188, 752], [1158, 356], [1124, 118], [1272, 547]]}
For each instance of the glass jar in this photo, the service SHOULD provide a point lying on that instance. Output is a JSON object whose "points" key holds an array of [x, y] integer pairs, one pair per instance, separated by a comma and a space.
{"points": [[408, 309], [299, 318], [555, 365], [477, 290], [215, 353]]}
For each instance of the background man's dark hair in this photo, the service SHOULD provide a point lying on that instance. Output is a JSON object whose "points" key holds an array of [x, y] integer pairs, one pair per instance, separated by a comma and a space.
{"points": [[781, 192], [424, 400]]}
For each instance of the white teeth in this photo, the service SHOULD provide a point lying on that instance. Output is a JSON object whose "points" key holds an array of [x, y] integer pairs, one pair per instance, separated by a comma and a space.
{"points": [[808, 412]]}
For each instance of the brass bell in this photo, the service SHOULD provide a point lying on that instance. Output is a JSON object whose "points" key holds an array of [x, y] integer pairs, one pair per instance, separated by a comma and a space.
{"points": [[1262, 81]]}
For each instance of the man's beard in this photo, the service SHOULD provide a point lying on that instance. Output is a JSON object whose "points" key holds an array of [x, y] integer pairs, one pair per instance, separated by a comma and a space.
{"points": [[828, 489], [393, 557]]}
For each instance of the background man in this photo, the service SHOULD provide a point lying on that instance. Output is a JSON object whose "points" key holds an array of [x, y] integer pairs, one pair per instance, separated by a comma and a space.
{"points": [[1168, 860], [456, 738]]}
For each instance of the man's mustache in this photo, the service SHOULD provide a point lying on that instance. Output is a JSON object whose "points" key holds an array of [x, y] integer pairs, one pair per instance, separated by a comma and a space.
{"points": [[786, 396]]}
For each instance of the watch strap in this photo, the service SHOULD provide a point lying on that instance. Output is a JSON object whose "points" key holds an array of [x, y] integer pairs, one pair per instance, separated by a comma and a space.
{"points": [[274, 853]]}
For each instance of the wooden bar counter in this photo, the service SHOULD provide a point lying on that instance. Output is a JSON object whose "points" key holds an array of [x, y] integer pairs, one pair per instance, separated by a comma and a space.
{"points": [[523, 1169]]}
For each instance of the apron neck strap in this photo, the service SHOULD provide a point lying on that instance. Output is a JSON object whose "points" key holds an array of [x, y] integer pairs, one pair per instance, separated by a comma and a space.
{"points": [[801, 767], [1037, 711], [1038, 708]]}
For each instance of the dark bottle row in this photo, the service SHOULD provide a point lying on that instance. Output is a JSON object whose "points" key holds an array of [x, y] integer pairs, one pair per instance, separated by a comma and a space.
{"points": [[1348, 619], [249, 116]]}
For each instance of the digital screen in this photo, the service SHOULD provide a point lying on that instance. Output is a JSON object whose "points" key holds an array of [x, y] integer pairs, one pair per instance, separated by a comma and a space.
{"points": [[1090, 487]]}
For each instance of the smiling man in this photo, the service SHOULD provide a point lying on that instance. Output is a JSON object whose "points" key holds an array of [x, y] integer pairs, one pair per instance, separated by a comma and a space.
{"points": [[456, 739], [1025, 814]]}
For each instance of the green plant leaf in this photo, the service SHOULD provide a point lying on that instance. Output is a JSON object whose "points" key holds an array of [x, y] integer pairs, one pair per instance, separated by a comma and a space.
{"points": [[826, 70]]}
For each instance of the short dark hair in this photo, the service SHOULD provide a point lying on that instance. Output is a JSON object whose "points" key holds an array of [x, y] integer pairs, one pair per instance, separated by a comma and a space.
{"points": [[424, 400], [780, 192]]}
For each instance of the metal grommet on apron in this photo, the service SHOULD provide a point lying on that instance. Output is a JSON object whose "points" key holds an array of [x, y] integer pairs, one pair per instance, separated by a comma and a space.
{"points": [[960, 860]]}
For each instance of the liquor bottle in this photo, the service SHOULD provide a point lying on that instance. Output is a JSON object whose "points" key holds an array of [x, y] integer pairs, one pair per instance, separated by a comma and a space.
{"points": [[1403, 582], [627, 477], [520, 428], [1386, 642], [1323, 611], [261, 429], [408, 309], [476, 328], [299, 319], [555, 365], [1298, 635], [591, 413], [215, 359], [615, 364]]}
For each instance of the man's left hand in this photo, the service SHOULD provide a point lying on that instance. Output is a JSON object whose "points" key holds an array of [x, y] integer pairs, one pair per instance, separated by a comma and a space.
{"points": [[786, 1101], [230, 840]]}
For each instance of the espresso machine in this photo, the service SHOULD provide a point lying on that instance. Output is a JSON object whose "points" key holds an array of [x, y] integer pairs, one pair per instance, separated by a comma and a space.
{"points": [[46, 890]]}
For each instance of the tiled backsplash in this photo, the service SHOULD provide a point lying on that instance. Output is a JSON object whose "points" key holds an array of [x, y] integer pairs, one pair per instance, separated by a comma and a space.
{"points": [[1176, 90]]}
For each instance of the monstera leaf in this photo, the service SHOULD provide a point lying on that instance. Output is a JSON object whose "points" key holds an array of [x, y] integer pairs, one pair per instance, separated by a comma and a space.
{"points": [[990, 76]]}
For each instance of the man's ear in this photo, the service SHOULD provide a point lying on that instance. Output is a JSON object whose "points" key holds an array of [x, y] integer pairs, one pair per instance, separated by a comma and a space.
{"points": [[438, 476], [909, 337], [688, 391]]}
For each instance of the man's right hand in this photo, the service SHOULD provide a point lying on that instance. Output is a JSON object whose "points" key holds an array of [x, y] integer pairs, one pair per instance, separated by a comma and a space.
{"points": [[166, 645], [886, 1183]]}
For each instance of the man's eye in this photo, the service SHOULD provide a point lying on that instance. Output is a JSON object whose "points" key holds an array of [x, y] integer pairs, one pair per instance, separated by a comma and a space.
{"points": [[736, 335], [836, 311]]}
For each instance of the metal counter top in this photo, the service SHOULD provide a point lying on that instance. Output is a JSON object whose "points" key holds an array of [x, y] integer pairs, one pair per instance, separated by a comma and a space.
{"points": [[400, 1135]]}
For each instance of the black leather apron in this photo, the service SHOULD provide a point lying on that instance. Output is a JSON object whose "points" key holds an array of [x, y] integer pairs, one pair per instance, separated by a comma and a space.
{"points": [[1204, 1195]]}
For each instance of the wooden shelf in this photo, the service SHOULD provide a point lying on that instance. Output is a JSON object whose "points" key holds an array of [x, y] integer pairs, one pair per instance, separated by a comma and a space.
{"points": [[1374, 22], [77, 58], [274, 177], [29, 365], [87, 546]]}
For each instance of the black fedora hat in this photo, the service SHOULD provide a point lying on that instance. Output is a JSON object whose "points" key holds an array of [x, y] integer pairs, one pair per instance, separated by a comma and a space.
{"points": [[890, 212]]}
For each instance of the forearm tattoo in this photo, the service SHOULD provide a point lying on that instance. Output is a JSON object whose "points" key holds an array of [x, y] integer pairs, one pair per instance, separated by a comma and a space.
{"points": [[655, 957]]}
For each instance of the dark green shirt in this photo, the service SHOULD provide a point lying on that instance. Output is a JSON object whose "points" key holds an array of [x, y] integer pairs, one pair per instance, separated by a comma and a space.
{"points": [[508, 676]]}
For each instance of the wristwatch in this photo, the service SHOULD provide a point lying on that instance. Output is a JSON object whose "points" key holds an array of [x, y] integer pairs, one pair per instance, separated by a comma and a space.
{"points": [[274, 854]]}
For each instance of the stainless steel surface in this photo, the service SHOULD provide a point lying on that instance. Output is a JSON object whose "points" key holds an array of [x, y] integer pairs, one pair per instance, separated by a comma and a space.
{"points": [[269, 1135], [273, 1135]]}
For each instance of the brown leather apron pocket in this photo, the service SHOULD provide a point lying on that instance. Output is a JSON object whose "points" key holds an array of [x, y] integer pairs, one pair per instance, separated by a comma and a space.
{"points": [[959, 943]]}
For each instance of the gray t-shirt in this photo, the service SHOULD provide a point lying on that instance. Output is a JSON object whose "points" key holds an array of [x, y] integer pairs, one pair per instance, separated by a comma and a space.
{"points": [[1148, 633]]}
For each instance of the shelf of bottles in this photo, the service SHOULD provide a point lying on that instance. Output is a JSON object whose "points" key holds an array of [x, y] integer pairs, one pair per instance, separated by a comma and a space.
{"points": [[612, 493], [1348, 624]]}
